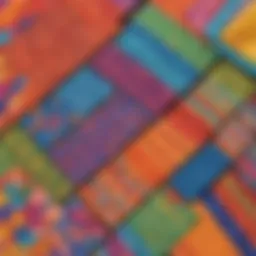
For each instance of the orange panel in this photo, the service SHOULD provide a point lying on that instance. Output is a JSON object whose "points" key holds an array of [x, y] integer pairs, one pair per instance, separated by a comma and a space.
{"points": [[207, 238], [189, 124], [175, 9], [158, 152], [240, 32], [98, 11]]}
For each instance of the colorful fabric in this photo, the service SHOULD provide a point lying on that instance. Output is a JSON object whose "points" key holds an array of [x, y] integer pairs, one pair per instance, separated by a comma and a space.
{"points": [[127, 128]]}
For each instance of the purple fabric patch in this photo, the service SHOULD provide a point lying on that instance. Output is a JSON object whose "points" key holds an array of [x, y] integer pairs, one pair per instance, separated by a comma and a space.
{"points": [[132, 78], [115, 247], [100, 137]]}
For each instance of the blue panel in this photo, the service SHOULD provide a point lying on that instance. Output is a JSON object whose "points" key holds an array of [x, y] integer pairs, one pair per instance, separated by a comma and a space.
{"points": [[75, 99], [134, 242], [199, 172], [83, 91], [168, 66], [5, 37], [223, 17]]}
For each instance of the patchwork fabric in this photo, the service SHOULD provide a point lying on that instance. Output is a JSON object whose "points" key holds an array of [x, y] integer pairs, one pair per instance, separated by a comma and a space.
{"points": [[127, 128], [32, 224]]}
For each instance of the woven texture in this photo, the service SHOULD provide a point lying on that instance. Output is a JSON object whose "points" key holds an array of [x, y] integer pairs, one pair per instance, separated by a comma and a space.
{"points": [[127, 128]]}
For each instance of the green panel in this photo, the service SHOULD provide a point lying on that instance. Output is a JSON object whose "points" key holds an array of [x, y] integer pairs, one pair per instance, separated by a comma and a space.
{"points": [[161, 222], [220, 93], [34, 161], [175, 37], [6, 159]]}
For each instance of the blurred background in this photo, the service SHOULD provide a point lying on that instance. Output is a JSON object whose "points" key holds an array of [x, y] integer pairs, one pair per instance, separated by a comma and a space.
{"points": [[127, 128]]}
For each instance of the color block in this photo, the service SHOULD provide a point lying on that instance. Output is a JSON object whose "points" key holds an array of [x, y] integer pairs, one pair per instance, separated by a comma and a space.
{"points": [[246, 167], [115, 192], [167, 65], [77, 98], [132, 78], [173, 35], [237, 204], [248, 112], [157, 226], [199, 241], [127, 128], [224, 16], [107, 12], [100, 137], [5, 37], [114, 247], [220, 93], [214, 32], [6, 159], [36, 163], [242, 134], [188, 123], [35, 224], [245, 46], [158, 153], [50, 50], [229, 225], [176, 10], [202, 13], [199, 172]]}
